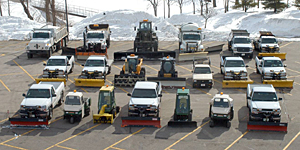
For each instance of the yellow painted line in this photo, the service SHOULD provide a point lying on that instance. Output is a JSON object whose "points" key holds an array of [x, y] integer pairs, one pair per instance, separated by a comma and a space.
{"points": [[15, 138], [117, 67], [165, 47], [24, 70], [4, 85], [292, 70], [297, 62], [217, 81], [9, 74], [80, 88], [151, 67], [65, 147], [165, 92], [14, 147], [200, 90], [168, 148], [117, 148], [252, 68], [78, 64], [286, 44], [215, 67], [183, 67], [296, 83], [236, 140], [73, 136], [124, 139], [287, 146], [2, 54]]}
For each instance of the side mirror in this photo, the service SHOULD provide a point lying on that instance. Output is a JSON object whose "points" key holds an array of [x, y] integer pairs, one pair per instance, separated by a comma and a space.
{"points": [[44, 64], [284, 65], [260, 65], [192, 71], [247, 66], [248, 97], [68, 64], [280, 98], [128, 94], [155, 28], [106, 65], [222, 65], [53, 95], [134, 28], [82, 64], [24, 94], [63, 101], [159, 95], [212, 72]]}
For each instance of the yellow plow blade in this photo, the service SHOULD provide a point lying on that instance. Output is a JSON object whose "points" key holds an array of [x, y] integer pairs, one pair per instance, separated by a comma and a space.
{"points": [[280, 55], [38, 80], [89, 82], [103, 118], [236, 83], [280, 83], [190, 56]]}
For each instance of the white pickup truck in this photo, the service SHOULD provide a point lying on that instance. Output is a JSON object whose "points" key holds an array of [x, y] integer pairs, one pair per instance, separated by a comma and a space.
{"points": [[263, 103], [202, 74], [96, 67], [41, 99], [58, 67], [270, 68], [145, 99], [233, 68], [266, 42]]}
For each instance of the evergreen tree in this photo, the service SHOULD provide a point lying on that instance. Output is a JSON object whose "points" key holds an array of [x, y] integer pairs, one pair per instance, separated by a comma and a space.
{"points": [[246, 4], [274, 4]]}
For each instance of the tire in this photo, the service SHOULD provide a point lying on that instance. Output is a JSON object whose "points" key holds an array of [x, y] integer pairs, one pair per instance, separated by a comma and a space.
{"points": [[29, 55], [50, 115], [122, 72], [211, 123], [231, 113], [251, 56], [113, 112], [49, 53], [118, 109], [87, 112], [143, 72], [228, 124], [249, 115], [61, 99], [72, 68], [72, 120], [257, 71], [190, 117], [262, 77]]}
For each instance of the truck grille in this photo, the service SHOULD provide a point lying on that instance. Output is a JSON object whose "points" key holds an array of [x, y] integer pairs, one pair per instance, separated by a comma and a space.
{"points": [[243, 49], [202, 81]]}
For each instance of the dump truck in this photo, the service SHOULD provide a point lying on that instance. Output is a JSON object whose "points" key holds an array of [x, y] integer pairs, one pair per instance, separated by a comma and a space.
{"points": [[36, 109], [240, 44], [272, 71], [182, 113], [234, 72], [46, 40], [167, 75], [132, 71], [202, 74], [57, 68], [76, 106], [96, 41], [221, 109], [94, 71], [268, 45], [144, 105], [107, 107], [264, 108]]}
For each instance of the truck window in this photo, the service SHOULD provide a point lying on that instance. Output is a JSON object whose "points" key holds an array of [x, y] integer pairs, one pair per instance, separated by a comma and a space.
{"points": [[94, 63], [167, 66], [104, 98], [272, 63], [221, 102], [191, 37], [56, 62], [202, 70], [268, 40], [145, 26], [182, 102], [95, 35], [264, 96], [38, 93], [144, 93], [234, 63], [72, 100], [40, 35], [241, 40]]}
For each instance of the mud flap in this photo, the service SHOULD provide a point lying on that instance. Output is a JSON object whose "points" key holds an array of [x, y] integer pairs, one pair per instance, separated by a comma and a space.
{"points": [[173, 123], [190, 56], [119, 56], [30, 123], [103, 118], [141, 122], [89, 82], [236, 83], [280, 83], [38, 80], [169, 82], [280, 55], [267, 126]]}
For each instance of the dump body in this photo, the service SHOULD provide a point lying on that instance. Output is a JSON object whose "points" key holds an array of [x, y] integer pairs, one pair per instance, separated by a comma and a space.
{"points": [[98, 37], [240, 44], [190, 38]]}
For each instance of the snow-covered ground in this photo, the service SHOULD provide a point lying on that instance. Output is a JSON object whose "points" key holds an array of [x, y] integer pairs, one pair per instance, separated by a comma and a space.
{"points": [[122, 21]]}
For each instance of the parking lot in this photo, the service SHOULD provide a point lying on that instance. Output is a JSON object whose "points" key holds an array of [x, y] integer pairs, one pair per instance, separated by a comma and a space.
{"points": [[18, 73]]}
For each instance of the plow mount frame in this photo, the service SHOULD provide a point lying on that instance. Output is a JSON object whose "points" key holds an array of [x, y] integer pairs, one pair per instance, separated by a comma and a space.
{"points": [[89, 82], [280, 55], [190, 56], [173, 123], [147, 55], [38, 80], [280, 83], [267, 126], [236, 83], [141, 122], [29, 123], [169, 82]]}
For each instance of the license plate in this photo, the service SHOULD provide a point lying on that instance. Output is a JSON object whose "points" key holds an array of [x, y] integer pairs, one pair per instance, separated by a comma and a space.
{"points": [[266, 119], [202, 85], [220, 115], [242, 54]]}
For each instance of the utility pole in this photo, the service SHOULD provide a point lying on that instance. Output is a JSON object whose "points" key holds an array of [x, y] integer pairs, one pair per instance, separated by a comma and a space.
{"points": [[66, 7], [8, 8]]}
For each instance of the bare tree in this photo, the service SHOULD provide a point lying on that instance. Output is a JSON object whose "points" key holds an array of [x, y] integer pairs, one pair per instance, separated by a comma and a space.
{"points": [[201, 6], [210, 12], [47, 10], [26, 9], [169, 3], [193, 1], [154, 4], [214, 3], [180, 3], [226, 5], [0, 8], [53, 12]]}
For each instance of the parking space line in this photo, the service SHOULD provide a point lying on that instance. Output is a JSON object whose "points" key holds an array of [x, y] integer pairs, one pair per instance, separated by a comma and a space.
{"points": [[117, 148], [78, 64], [286, 44], [151, 67], [9, 74], [7, 118], [124, 139], [117, 67], [80, 88], [169, 147], [296, 83], [200, 90], [73, 136], [24, 70], [65, 147], [292, 70], [183, 67], [287, 146], [236, 140], [4, 85], [297, 62], [14, 147]]}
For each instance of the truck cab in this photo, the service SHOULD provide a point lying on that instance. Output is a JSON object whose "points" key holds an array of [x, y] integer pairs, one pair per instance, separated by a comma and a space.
{"points": [[233, 68], [97, 37], [270, 68], [95, 67], [190, 38], [202, 73], [240, 44], [58, 67], [267, 42]]}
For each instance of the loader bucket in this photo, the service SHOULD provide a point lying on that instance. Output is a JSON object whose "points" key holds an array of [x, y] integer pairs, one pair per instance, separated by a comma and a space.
{"points": [[169, 82], [173, 123], [119, 56], [141, 122], [280, 83], [236, 83], [38, 80], [103, 118], [29, 123], [89, 82], [215, 48], [190, 56], [267, 126], [280, 55]]}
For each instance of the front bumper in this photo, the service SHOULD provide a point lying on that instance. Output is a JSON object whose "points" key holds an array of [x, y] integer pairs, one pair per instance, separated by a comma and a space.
{"points": [[265, 117], [232, 76], [46, 51], [142, 110], [202, 83], [33, 113], [275, 77]]}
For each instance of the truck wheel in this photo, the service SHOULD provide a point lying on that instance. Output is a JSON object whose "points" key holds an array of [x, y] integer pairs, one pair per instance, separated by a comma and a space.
{"points": [[190, 117], [251, 56], [72, 120], [209, 115], [71, 70], [228, 124], [117, 109], [113, 112], [211, 123], [61, 98], [262, 77], [257, 71], [143, 72], [29, 55], [49, 53], [231, 113], [50, 115]]}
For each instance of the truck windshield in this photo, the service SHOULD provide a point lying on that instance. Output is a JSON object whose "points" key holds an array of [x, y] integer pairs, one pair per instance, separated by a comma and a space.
{"points": [[56, 62], [269, 40], [95, 35], [145, 26], [202, 70], [38, 93], [242, 40], [221, 102], [104, 99], [144, 93], [191, 37], [167, 66], [94, 63], [182, 103], [272, 63], [72, 100], [264, 96], [41, 35], [234, 63]]}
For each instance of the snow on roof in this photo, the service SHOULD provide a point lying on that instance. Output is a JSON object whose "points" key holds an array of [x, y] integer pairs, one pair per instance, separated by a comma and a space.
{"points": [[145, 85], [41, 86], [271, 58]]}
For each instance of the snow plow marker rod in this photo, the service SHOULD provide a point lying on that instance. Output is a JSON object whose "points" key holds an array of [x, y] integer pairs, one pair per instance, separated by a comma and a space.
{"points": [[141, 122], [89, 82], [28, 123], [267, 126], [280, 83], [236, 83], [38, 80], [280, 55]]}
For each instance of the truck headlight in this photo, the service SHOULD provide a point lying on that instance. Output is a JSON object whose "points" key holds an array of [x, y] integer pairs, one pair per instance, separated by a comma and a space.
{"points": [[234, 48], [227, 73], [41, 108], [61, 72], [45, 71], [244, 74], [215, 114], [209, 80], [255, 110], [22, 107], [195, 80], [46, 47], [276, 111], [27, 47]]}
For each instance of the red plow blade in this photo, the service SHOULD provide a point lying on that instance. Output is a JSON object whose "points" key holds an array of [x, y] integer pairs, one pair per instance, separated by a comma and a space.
{"points": [[28, 123], [267, 126], [141, 122]]}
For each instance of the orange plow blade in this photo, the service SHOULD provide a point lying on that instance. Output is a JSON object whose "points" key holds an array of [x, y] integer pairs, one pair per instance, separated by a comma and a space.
{"points": [[141, 122], [267, 126]]}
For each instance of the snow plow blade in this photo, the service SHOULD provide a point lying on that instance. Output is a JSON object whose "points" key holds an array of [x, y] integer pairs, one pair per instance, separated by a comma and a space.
{"points": [[267, 126], [182, 123], [190, 56], [236, 83], [29, 123], [89, 82], [119, 56], [280, 55], [141, 122], [215, 48], [169, 82], [38, 80], [127, 80], [103, 118], [79, 52], [68, 51], [280, 83]]}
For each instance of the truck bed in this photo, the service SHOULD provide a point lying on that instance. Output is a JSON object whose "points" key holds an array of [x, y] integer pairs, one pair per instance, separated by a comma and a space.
{"points": [[55, 84]]}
